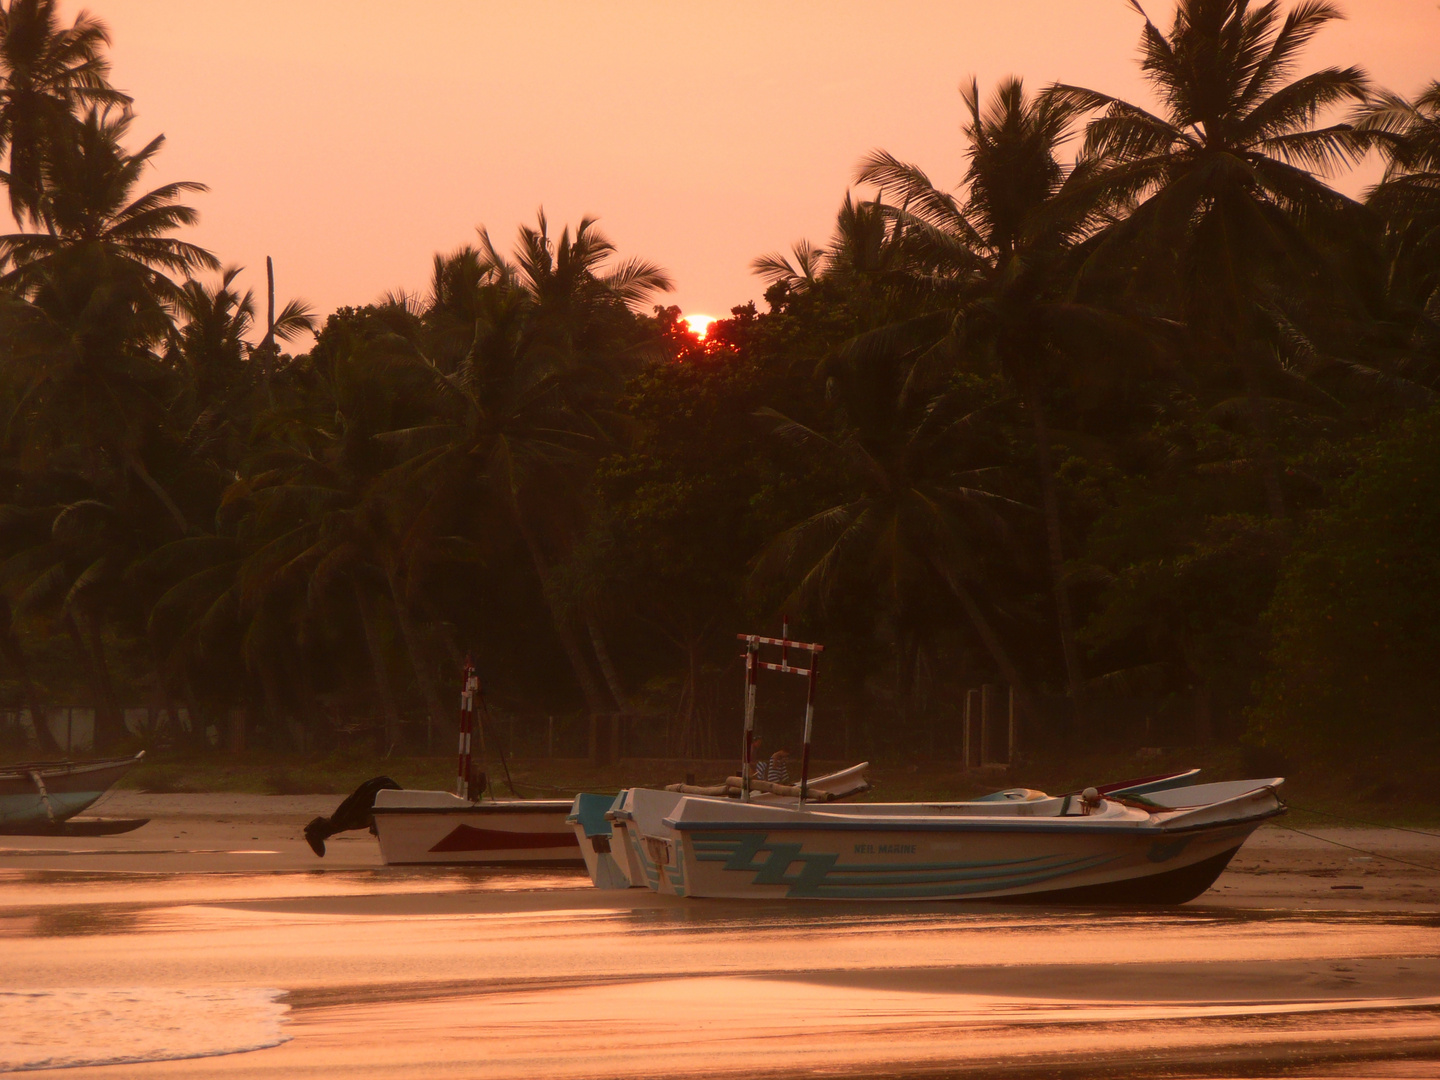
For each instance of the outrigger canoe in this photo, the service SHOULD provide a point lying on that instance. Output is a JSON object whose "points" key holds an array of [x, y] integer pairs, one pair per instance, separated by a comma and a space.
{"points": [[44, 797]]}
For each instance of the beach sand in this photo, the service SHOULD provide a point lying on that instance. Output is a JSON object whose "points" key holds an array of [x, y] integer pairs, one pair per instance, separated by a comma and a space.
{"points": [[214, 930]]}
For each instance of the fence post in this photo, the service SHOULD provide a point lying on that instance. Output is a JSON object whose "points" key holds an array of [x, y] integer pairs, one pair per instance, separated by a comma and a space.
{"points": [[1012, 750], [987, 717], [972, 710], [237, 729]]}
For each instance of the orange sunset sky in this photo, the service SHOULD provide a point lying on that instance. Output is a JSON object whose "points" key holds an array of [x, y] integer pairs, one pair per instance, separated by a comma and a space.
{"points": [[351, 139]]}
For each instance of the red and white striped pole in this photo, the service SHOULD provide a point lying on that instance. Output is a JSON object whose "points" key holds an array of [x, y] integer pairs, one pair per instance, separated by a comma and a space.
{"points": [[809, 723], [752, 668], [469, 684]]}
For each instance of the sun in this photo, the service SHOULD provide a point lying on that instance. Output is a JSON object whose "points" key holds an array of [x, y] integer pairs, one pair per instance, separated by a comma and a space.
{"points": [[699, 324]]}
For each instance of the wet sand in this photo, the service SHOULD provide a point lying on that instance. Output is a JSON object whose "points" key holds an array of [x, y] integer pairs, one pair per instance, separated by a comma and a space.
{"points": [[214, 929]]}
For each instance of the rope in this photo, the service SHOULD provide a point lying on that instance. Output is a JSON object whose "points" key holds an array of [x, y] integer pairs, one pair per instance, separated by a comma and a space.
{"points": [[1363, 851], [1359, 821]]}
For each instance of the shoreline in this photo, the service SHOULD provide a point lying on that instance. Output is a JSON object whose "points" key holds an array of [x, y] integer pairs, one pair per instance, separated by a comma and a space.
{"points": [[1280, 865], [442, 973]]}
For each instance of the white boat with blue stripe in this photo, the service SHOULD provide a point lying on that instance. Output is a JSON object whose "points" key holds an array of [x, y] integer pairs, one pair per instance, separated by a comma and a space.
{"points": [[1150, 843], [616, 856]]}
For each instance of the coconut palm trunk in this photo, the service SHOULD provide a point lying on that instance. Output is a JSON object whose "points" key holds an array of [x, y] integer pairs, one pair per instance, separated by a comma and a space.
{"points": [[132, 460], [88, 644], [995, 647], [1064, 616], [602, 654], [369, 622], [14, 652], [594, 696], [1266, 458], [689, 742], [415, 649], [270, 696]]}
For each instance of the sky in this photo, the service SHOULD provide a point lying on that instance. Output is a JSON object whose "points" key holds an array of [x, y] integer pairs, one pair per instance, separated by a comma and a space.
{"points": [[353, 139]]}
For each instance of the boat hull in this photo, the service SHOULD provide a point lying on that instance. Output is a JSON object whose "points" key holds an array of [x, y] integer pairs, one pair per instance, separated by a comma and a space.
{"points": [[70, 787], [702, 848], [641, 851], [533, 833], [595, 834]]}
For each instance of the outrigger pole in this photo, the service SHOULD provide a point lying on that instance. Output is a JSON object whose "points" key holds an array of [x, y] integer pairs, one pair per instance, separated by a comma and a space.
{"points": [[753, 664]]}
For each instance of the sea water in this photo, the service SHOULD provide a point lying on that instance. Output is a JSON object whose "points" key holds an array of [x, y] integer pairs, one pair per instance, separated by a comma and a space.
{"points": [[52, 1029]]}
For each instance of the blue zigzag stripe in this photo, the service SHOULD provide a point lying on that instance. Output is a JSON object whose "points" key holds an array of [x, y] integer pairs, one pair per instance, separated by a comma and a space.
{"points": [[822, 875]]}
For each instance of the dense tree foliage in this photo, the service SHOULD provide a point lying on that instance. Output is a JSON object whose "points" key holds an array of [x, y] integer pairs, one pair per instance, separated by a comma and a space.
{"points": [[1139, 418], [1353, 669]]}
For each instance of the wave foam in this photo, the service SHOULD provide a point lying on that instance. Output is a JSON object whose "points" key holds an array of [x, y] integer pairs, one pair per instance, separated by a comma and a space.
{"points": [[57, 1029]]}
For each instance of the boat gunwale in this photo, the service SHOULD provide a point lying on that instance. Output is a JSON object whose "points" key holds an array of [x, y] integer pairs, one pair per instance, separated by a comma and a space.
{"points": [[999, 825], [500, 864], [477, 808], [22, 770]]}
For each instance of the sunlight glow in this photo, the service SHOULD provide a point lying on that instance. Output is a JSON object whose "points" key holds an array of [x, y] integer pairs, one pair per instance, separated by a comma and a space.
{"points": [[699, 324]]}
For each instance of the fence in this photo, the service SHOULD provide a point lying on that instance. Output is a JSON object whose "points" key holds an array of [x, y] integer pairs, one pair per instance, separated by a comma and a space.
{"points": [[73, 726], [988, 726]]}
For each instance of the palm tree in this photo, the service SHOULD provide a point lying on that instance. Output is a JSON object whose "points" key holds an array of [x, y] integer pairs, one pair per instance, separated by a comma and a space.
{"points": [[574, 293], [91, 216], [867, 246], [1001, 253], [13, 650], [1408, 198], [797, 276], [579, 328], [1228, 175], [90, 384], [48, 74], [69, 561], [921, 518], [90, 302], [458, 285], [288, 547], [1408, 134], [222, 368], [215, 322], [504, 430]]}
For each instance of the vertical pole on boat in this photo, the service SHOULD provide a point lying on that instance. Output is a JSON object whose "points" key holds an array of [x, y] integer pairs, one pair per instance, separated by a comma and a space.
{"points": [[1013, 741], [784, 641], [988, 708], [752, 666], [809, 724], [965, 737], [467, 723]]}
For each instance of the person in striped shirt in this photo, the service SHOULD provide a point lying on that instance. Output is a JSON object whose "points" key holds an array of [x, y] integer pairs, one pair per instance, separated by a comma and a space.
{"points": [[777, 771]]}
